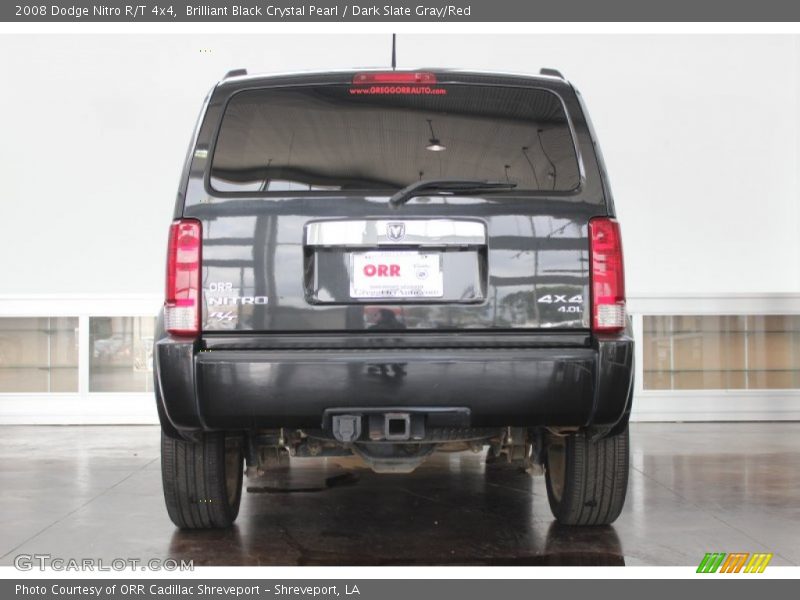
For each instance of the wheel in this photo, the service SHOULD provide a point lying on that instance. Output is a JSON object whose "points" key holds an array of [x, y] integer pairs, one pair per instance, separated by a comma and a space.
{"points": [[587, 481], [202, 480]]}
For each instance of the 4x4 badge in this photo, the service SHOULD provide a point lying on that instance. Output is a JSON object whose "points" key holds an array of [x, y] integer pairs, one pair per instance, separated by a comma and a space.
{"points": [[395, 231]]}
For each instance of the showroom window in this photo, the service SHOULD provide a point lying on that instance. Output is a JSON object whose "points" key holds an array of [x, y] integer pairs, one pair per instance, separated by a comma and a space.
{"points": [[721, 352], [38, 354], [121, 354]]}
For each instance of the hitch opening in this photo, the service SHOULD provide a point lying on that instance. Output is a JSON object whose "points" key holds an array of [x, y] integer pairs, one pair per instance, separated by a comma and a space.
{"points": [[397, 426]]}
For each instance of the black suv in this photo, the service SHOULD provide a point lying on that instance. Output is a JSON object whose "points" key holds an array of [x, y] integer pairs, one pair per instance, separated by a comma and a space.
{"points": [[386, 264]]}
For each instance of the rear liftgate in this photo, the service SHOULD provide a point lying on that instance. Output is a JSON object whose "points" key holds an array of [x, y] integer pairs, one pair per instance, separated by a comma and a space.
{"points": [[379, 261]]}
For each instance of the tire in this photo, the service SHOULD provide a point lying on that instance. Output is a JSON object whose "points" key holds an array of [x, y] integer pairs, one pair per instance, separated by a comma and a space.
{"points": [[202, 480], [587, 481]]}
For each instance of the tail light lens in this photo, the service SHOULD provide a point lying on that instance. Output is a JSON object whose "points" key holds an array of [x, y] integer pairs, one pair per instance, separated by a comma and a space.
{"points": [[607, 275], [182, 304]]}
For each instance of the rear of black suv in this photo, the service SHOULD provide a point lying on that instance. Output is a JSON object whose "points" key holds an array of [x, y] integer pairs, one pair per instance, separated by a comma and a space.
{"points": [[388, 264]]}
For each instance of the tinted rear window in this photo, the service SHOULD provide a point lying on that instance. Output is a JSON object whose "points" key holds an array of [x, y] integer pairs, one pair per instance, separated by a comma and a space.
{"points": [[359, 138]]}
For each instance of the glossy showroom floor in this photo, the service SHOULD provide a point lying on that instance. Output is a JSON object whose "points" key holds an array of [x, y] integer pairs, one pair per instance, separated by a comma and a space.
{"points": [[75, 492]]}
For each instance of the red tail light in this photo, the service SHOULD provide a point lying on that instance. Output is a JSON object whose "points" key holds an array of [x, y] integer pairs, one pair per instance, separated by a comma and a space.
{"points": [[182, 304], [394, 77], [607, 275]]}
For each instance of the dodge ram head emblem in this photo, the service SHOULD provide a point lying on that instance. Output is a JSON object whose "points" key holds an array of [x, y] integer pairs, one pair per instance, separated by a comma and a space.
{"points": [[395, 231]]}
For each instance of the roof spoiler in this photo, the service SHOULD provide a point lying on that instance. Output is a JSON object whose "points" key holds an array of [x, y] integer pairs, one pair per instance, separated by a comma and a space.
{"points": [[235, 73], [551, 73]]}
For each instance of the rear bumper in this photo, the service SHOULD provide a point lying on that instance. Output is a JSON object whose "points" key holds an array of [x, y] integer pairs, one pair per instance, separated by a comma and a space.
{"points": [[558, 381]]}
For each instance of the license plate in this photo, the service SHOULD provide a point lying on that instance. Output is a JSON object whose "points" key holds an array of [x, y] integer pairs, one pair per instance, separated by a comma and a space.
{"points": [[396, 275]]}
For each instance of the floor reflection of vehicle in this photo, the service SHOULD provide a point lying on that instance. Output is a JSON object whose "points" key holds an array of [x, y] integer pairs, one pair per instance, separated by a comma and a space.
{"points": [[393, 265], [584, 547], [459, 518]]}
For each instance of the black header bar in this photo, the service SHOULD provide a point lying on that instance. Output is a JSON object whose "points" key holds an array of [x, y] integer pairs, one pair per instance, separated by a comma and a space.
{"points": [[275, 11]]}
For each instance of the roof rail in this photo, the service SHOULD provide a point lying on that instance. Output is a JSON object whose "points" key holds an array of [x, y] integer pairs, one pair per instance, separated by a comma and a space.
{"points": [[235, 73], [551, 72]]}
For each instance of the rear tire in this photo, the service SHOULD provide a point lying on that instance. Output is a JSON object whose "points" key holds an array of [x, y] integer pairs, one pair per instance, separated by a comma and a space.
{"points": [[202, 480], [587, 480]]}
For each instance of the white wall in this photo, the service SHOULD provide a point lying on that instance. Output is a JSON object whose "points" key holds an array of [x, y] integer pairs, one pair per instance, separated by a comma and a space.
{"points": [[700, 135]]}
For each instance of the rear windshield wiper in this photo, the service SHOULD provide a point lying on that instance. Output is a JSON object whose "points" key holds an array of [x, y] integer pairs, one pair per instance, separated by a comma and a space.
{"points": [[455, 186]]}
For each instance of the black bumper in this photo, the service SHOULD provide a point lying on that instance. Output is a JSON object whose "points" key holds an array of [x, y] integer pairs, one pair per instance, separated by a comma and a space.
{"points": [[268, 382]]}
